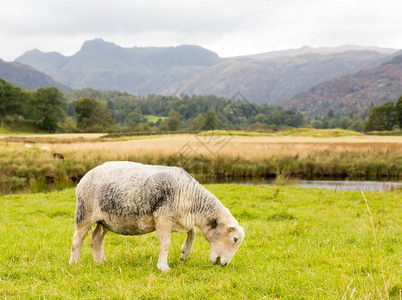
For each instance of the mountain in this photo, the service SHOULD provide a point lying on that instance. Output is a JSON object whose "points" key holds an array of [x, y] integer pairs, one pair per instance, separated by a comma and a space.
{"points": [[27, 77], [319, 50], [104, 65], [376, 85], [274, 79], [267, 77]]}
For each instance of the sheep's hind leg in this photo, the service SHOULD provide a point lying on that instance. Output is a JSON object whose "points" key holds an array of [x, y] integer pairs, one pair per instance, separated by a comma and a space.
{"points": [[97, 238], [163, 231], [81, 231], [188, 244]]}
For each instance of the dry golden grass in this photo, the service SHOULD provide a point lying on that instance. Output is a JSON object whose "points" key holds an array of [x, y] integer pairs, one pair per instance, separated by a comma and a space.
{"points": [[246, 147], [206, 156], [242, 147]]}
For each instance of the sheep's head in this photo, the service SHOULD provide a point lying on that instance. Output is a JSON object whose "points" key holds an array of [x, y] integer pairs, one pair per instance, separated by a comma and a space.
{"points": [[224, 240]]}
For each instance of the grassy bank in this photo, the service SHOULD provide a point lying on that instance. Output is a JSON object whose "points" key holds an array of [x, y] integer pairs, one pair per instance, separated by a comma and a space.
{"points": [[299, 132], [300, 243], [353, 157], [20, 127]]}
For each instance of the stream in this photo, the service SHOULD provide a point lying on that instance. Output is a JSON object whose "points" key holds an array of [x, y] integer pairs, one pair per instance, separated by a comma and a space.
{"points": [[341, 185]]}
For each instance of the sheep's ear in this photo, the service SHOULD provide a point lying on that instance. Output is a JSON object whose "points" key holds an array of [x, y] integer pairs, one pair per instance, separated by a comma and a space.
{"points": [[232, 226]]}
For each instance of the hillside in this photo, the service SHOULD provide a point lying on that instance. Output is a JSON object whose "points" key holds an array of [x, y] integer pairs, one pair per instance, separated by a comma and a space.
{"points": [[27, 77], [268, 77], [273, 79], [371, 86]]}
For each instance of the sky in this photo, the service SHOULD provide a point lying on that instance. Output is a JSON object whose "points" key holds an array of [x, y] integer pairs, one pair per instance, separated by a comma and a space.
{"points": [[229, 28]]}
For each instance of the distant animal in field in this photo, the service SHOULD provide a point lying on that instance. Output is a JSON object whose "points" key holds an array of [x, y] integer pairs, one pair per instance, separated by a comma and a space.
{"points": [[58, 156], [132, 199], [28, 146], [45, 148]]}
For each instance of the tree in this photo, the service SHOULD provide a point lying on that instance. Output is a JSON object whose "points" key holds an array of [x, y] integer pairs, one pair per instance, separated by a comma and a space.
{"points": [[134, 118], [84, 109], [69, 125], [211, 122], [12, 100], [49, 107], [173, 121], [93, 116], [198, 123], [71, 109], [398, 108], [260, 118], [382, 117]]}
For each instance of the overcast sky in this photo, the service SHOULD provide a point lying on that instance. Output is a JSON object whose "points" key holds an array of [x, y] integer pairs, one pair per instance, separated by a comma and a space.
{"points": [[229, 28]]}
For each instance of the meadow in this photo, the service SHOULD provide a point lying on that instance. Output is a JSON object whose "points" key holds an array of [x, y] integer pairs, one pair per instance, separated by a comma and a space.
{"points": [[308, 154], [300, 244]]}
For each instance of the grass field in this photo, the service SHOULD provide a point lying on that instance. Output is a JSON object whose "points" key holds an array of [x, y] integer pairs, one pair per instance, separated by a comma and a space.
{"points": [[152, 118], [300, 244]]}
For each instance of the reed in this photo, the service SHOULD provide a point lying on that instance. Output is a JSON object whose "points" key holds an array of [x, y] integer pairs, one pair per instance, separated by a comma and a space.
{"points": [[354, 157]]}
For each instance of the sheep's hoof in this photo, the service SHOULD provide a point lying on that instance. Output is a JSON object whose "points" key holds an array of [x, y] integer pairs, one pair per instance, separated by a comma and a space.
{"points": [[184, 255], [163, 268]]}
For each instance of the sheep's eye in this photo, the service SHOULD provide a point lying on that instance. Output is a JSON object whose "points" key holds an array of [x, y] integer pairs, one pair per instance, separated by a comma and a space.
{"points": [[235, 239]]}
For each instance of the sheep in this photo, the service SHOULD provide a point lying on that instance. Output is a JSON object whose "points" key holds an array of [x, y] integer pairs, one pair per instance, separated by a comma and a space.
{"points": [[131, 199], [58, 156]]}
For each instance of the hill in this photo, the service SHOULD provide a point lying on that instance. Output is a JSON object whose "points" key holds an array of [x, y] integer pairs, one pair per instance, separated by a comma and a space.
{"points": [[27, 77], [371, 86], [268, 77]]}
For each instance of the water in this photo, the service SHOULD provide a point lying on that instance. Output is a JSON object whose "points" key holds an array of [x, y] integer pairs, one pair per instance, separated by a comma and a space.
{"points": [[340, 185], [343, 185]]}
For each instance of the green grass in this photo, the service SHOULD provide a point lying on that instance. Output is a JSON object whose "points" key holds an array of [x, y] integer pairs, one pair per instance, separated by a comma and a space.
{"points": [[20, 126], [300, 243], [152, 118], [387, 133]]}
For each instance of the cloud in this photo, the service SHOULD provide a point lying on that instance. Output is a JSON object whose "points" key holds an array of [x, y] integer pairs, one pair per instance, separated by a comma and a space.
{"points": [[77, 17], [227, 27]]}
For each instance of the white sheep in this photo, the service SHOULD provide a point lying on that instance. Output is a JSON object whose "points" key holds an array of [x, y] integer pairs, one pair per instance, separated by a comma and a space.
{"points": [[131, 199]]}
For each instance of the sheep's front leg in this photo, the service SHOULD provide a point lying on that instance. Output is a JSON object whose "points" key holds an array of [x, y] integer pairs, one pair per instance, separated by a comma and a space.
{"points": [[188, 244], [163, 231]]}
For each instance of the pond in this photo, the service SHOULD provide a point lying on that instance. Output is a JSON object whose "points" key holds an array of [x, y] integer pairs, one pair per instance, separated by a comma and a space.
{"points": [[340, 185]]}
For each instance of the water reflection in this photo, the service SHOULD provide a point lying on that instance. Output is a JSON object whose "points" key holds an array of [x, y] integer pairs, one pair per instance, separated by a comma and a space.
{"points": [[369, 186], [341, 185]]}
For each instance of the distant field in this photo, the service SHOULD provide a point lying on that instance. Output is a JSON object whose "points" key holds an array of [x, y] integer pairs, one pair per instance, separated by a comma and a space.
{"points": [[300, 244], [154, 119], [212, 156], [299, 132]]}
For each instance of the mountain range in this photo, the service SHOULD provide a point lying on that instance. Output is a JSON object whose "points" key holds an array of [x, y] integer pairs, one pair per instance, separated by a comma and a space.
{"points": [[291, 78], [104, 65]]}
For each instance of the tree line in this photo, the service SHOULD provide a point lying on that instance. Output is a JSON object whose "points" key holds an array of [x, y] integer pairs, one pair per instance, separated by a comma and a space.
{"points": [[176, 113], [46, 106], [90, 110], [385, 117]]}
